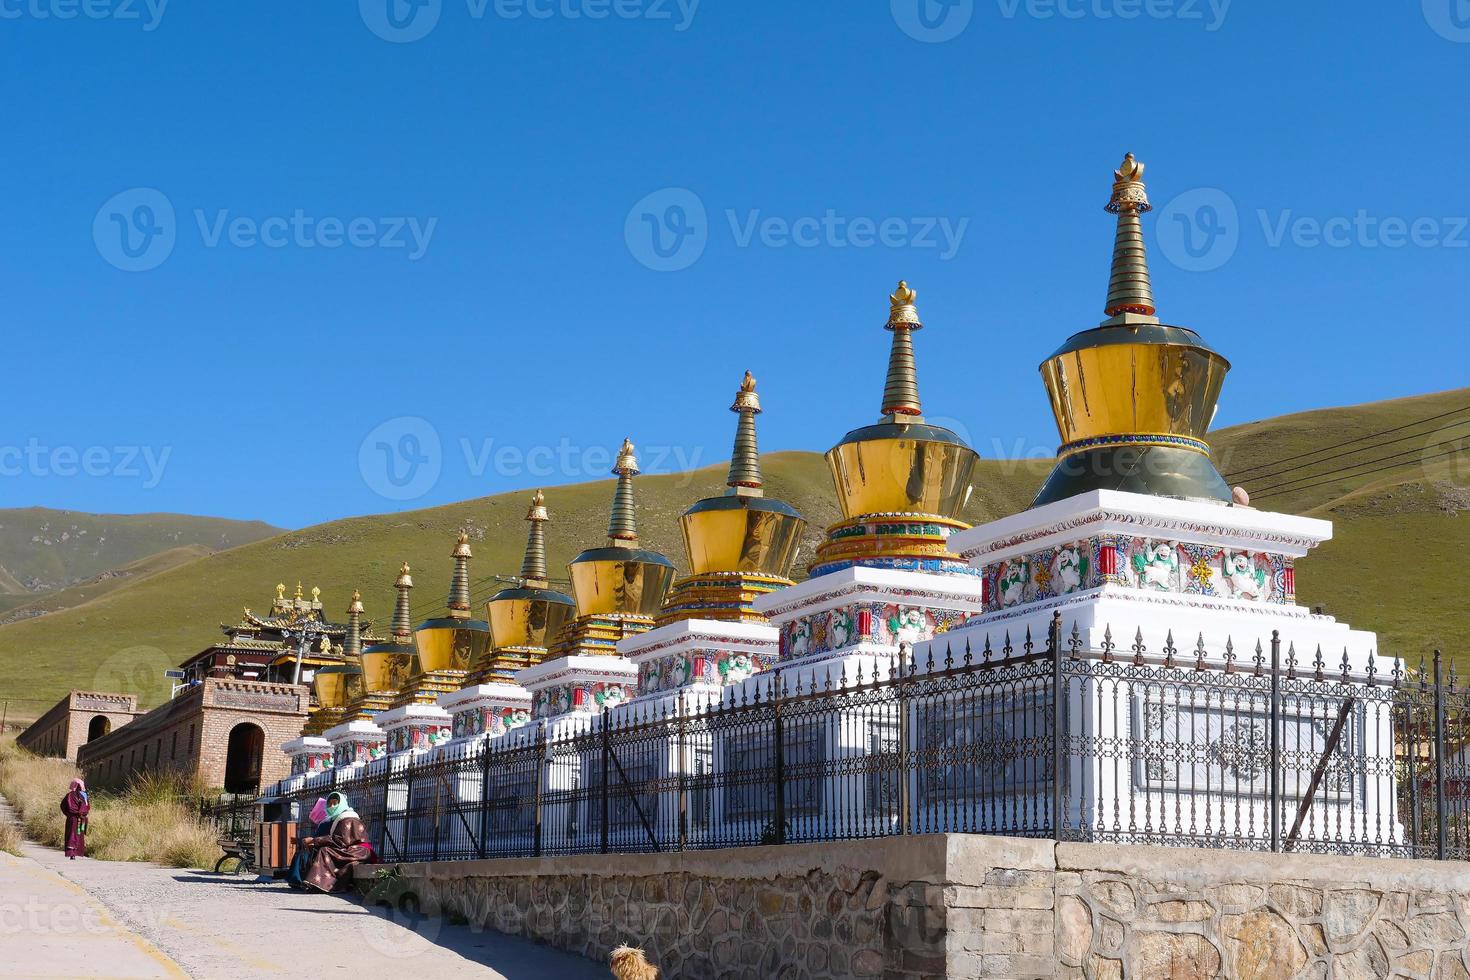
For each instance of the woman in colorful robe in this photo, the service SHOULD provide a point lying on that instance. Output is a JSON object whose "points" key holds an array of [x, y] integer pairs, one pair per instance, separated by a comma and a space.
{"points": [[334, 855], [296, 877], [75, 806]]}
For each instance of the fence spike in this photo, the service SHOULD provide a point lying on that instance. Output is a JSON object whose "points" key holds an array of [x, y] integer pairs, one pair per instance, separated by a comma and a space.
{"points": [[1108, 646], [948, 656], [1139, 649], [1423, 674], [1318, 664], [1372, 670], [1291, 661], [1199, 652], [985, 654], [1398, 668], [1076, 640], [967, 652], [1169, 650], [1347, 665], [1260, 658], [1007, 650], [929, 668], [1029, 645]]}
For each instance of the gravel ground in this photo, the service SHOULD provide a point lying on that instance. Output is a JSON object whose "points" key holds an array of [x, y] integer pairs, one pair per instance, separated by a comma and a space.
{"points": [[223, 928]]}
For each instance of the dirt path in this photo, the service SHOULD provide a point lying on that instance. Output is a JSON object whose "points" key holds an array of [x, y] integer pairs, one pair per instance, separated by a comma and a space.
{"points": [[201, 925]]}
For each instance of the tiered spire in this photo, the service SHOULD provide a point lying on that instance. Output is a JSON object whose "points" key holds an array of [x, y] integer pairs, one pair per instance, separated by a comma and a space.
{"points": [[1129, 288], [622, 526], [402, 621], [901, 389], [352, 644], [533, 566], [745, 462], [459, 584]]}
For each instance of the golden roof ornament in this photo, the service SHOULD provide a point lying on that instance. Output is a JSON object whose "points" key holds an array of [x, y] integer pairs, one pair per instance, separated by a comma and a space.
{"points": [[901, 387], [280, 591], [622, 526], [316, 594], [402, 620], [1129, 288], [459, 583], [745, 462], [533, 565]]}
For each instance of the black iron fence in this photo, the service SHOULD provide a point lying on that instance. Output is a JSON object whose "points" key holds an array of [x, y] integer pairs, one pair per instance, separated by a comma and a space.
{"points": [[1259, 749], [232, 815]]}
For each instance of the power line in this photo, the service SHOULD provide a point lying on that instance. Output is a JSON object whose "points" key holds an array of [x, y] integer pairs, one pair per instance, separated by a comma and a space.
{"points": [[1372, 435], [1345, 471], [1391, 466], [1362, 449]]}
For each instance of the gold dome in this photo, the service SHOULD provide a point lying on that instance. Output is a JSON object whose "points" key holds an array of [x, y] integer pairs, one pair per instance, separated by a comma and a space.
{"points": [[526, 618], [453, 642], [621, 577], [1134, 398], [337, 686], [387, 667], [743, 531], [902, 465]]}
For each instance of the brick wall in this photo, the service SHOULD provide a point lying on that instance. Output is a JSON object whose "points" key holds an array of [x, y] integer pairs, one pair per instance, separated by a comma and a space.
{"points": [[63, 729], [191, 733]]}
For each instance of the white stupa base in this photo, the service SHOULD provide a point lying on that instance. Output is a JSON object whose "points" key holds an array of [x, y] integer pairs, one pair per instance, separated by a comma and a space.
{"points": [[855, 620], [308, 754], [354, 744], [415, 728], [487, 709], [699, 657], [578, 685]]}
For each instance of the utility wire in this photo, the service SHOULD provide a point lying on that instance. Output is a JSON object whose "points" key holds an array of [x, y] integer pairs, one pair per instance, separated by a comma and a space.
{"points": [[1390, 466], [1372, 435], [1361, 449], [1346, 470]]}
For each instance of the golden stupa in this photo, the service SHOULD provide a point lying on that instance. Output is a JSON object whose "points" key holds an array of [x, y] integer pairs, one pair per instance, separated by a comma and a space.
{"points": [[447, 647], [741, 545], [902, 482], [387, 666], [338, 686], [1134, 397], [526, 618], [620, 587]]}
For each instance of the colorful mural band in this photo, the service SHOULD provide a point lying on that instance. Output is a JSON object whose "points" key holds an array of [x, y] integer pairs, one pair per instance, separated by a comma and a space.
{"points": [[419, 737], [358, 751], [717, 668], [889, 624], [489, 720], [1144, 563], [562, 699]]}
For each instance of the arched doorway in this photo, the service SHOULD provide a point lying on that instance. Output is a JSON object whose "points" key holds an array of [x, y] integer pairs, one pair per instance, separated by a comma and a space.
{"points": [[243, 757], [98, 726]]}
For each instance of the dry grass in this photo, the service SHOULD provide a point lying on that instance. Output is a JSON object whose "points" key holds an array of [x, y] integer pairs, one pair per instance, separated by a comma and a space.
{"points": [[146, 822], [10, 837]]}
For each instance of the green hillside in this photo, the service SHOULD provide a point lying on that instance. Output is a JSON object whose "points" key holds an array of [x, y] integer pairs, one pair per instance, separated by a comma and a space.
{"points": [[43, 550], [1395, 533]]}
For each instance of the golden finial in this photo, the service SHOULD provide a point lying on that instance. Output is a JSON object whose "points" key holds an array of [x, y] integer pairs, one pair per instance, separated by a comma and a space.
{"points": [[901, 388], [459, 582], [622, 525], [356, 606], [405, 581], [538, 510], [402, 623], [280, 591], [298, 588], [745, 464], [533, 564], [316, 594], [627, 461], [1129, 287], [1129, 192], [902, 309], [462, 548]]}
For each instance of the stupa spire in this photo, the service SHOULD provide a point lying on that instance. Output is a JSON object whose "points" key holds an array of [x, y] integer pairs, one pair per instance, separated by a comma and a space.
{"points": [[402, 620], [459, 584], [901, 388], [1129, 288], [622, 526], [533, 566], [352, 644], [745, 462]]}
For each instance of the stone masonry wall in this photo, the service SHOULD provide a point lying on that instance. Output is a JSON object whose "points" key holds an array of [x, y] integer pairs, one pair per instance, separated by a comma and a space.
{"points": [[971, 906]]}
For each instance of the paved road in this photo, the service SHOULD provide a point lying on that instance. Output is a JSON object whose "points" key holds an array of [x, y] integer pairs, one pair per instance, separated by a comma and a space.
{"points": [[161, 922]]}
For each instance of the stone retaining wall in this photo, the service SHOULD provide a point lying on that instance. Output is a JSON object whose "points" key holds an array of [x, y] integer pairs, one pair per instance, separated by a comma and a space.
{"points": [[971, 906]]}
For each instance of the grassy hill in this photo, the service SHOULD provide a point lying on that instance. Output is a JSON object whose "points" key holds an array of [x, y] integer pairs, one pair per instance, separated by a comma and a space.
{"points": [[1386, 570], [42, 550]]}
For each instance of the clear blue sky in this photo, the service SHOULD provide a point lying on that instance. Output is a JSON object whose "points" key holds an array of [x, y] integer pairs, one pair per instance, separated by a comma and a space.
{"points": [[531, 310]]}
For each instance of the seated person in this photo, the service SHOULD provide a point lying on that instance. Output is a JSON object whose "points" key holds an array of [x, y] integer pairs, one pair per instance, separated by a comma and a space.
{"points": [[296, 876], [333, 855]]}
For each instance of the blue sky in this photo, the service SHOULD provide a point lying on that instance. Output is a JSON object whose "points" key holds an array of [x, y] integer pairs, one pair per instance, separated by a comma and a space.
{"points": [[254, 253]]}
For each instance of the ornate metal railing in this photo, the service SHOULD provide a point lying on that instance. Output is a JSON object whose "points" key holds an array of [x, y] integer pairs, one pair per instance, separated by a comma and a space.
{"points": [[1218, 748]]}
